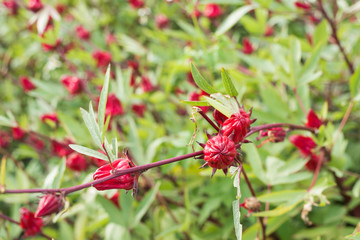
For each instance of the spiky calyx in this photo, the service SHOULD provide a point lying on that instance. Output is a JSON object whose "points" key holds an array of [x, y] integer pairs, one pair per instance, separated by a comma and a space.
{"points": [[219, 152], [237, 126]]}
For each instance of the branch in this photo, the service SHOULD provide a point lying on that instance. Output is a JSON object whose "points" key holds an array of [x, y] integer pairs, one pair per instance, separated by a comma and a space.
{"points": [[274, 125], [116, 174]]}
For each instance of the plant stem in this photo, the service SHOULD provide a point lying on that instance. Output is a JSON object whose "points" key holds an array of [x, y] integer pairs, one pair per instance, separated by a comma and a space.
{"points": [[116, 174], [208, 119], [274, 125], [343, 121], [8, 219]]}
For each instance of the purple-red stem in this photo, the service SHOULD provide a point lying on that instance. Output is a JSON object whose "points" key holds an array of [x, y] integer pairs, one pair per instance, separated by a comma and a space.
{"points": [[209, 120]]}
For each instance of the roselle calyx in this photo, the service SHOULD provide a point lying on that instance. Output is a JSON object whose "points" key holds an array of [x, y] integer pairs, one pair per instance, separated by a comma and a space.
{"points": [[49, 204], [31, 224]]}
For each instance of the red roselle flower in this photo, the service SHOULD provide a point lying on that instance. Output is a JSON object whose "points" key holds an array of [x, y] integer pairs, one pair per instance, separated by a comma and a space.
{"points": [[50, 47], [82, 33], [126, 182], [61, 149], [247, 46], [312, 162], [136, 3], [50, 117], [102, 58], [139, 109], [26, 84], [115, 199], [219, 153], [302, 5], [12, 5], [133, 64], [219, 117], [212, 11], [35, 5], [251, 204], [113, 106], [49, 204], [76, 162], [194, 96], [237, 126], [146, 84], [269, 31], [18, 133], [304, 144], [110, 39], [276, 134], [196, 13], [313, 120], [36, 142], [72, 84], [4, 139], [161, 21], [60, 8], [31, 224]]}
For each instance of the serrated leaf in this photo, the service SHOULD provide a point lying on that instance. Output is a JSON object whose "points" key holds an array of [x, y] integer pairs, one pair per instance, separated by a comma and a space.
{"points": [[92, 127], [354, 82], [102, 103], [237, 224], [201, 81], [228, 84], [88, 152], [233, 18]]}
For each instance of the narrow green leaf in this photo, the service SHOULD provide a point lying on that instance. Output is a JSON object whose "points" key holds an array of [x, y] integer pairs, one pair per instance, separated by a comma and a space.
{"points": [[237, 224], [6, 122], [201, 81], [354, 82], [114, 213], [92, 127], [233, 18], [145, 204], [195, 103], [109, 150], [228, 84], [280, 210], [321, 34], [53, 179], [114, 143], [281, 196], [88, 152], [219, 106], [356, 189], [255, 161], [102, 103], [294, 59]]}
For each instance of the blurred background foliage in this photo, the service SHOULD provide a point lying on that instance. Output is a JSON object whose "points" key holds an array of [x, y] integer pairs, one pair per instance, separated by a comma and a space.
{"points": [[268, 47]]}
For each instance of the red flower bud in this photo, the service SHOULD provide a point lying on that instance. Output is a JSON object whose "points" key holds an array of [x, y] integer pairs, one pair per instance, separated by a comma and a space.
{"points": [[26, 84], [312, 163], [161, 21], [146, 84], [61, 149], [18, 133], [72, 84], [12, 5], [4, 139], [302, 5], [194, 96], [219, 117], [35, 5], [122, 182], [102, 58], [82, 33], [219, 152], [50, 117], [139, 109], [76, 162], [313, 120], [276, 134], [269, 31], [113, 106], [304, 144], [136, 3], [212, 11], [36, 142], [247, 46], [251, 204], [49, 47], [60, 8], [237, 126], [133, 64], [31, 224], [49, 204], [196, 13]]}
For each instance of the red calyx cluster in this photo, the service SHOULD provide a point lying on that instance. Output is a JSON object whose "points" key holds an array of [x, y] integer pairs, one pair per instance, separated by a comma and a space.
{"points": [[50, 117], [76, 162], [35, 5], [18, 133], [26, 84], [49, 204], [31, 224], [113, 106], [12, 5], [72, 84], [212, 11], [161, 21], [313, 120], [237, 126], [306, 146], [302, 5], [61, 149], [126, 182], [139, 109], [136, 3], [146, 84], [82, 33], [102, 58], [247, 46]]}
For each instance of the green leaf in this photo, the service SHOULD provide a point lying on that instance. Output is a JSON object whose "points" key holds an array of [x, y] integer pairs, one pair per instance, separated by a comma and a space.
{"points": [[145, 204], [356, 189], [53, 179], [281, 196], [88, 152], [354, 236], [280, 210], [6, 122], [228, 84], [321, 34], [294, 59], [354, 82], [114, 144], [116, 216], [92, 127], [232, 19], [195, 103], [255, 161], [102, 103], [219, 106], [237, 224], [201, 81]]}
